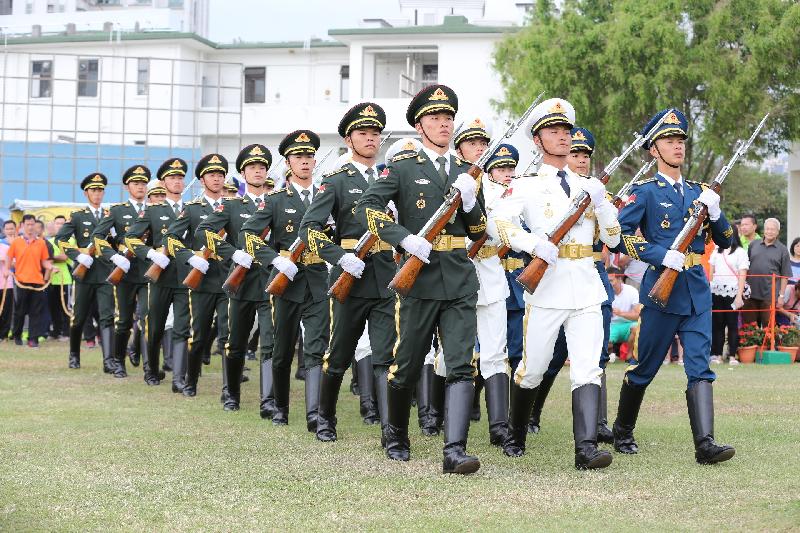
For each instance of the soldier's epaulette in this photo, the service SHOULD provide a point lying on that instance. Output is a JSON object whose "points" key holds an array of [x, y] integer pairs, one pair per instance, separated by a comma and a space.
{"points": [[646, 180], [196, 201], [117, 205], [77, 211], [460, 162], [278, 191], [334, 172], [703, 186], [232, 199], [400, 157]]}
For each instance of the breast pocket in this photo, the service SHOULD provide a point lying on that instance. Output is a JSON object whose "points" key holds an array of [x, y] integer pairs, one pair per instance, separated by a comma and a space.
{"points": [[423, 201]]}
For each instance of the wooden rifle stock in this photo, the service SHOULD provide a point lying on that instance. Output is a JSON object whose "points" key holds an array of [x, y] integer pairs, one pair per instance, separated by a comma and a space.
{"points": [[662, 289], [194, 277], [237, 275], [404, 280], [154, 272], [279, 283], [344, 283], [80, 270], [117, 274]]}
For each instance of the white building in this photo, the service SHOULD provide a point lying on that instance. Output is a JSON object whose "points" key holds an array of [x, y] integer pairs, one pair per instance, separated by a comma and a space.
{"points": [[75, 102]]}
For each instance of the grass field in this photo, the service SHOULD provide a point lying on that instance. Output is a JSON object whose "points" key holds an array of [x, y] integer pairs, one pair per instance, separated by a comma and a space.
{"points": [[80, 450]]}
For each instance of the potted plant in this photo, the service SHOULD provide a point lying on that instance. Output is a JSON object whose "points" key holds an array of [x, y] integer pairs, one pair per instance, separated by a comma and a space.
{"points": [[750, 339], [788, 340]]}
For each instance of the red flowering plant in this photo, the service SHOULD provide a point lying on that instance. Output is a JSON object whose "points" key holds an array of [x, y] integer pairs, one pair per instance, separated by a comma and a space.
{"points": [[750, 335], [788, 336]]}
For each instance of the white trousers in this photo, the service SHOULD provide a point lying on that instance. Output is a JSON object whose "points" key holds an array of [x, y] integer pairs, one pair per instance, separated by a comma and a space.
{"points": [[584, 331], [492, 324]]}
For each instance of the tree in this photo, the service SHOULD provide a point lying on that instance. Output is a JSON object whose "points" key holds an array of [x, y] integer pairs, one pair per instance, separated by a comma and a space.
{"points": [[723, 63], [749, 190]]}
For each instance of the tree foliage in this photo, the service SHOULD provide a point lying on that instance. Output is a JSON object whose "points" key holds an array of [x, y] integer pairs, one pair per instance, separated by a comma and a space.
{"points": [[723, 63]]}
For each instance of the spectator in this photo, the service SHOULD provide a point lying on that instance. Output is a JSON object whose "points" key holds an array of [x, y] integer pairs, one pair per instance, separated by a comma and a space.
{"points": [[747, 230], [625, 310], [9, 231], [767, 256], [7, 291], [789, 314], [794, 260], [58, 292], [32, 267], [45, 319], [728, 276]]}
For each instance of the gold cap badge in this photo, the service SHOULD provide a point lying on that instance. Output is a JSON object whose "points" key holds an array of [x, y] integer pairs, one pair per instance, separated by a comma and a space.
{"points": [[557, 108], [302, 138], [138, 170], [438, 94], [256, 151], [672, 118], [368, 112], [176, 164], [503, 151], [214, 159], [579, 136]]}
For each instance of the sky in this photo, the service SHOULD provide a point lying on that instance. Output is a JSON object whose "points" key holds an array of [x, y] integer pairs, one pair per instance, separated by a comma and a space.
{"points": [[295, 20]]}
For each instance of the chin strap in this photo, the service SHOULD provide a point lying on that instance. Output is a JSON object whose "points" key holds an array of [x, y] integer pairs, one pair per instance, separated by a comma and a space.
{"points": [[661, 157], [429, 139]]}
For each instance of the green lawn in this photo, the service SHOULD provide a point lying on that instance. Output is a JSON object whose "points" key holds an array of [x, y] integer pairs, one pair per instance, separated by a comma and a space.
{"points": [[80, 450]]}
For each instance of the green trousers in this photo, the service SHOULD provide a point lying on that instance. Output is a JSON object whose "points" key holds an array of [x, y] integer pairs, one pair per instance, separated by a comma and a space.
{"points": [[128, 296], [85, 294], [158, 309], [241, 317], [286, 316]]}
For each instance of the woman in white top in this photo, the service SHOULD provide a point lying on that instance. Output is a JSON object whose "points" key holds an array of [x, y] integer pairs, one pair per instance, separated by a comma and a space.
{"points": [[728, 274]]}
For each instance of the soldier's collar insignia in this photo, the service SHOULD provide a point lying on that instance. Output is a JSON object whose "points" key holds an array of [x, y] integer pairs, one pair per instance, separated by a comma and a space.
{"points": [[503, 151], [175, 164], [579, 136], [672, 118], [302, 138], [256, 151], [214, 159], [438, 94], [368, 112]]}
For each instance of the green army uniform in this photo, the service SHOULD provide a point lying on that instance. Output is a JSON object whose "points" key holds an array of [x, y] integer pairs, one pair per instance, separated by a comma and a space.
{"points": [[251, 298], [443, 299], [306, 296], [131, 291], [208, 298], [370, 300], [168, 290], [93, 287]]}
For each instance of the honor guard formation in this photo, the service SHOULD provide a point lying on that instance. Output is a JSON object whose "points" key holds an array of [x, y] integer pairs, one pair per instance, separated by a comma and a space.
{"points": [[442, 272]]}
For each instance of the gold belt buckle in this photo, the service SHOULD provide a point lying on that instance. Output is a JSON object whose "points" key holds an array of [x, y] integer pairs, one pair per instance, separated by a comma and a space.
{"points": [[443, 243]]}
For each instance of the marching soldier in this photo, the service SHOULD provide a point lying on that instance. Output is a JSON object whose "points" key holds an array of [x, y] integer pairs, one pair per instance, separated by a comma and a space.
{"points": [[658, 206], [306, 297], [370, 301], [445, 293], [132, 289], [209, 297], [252, 163], [156, 192], [579, 161], [93, 287], [570, 292], [167, 290], [231, 188]]}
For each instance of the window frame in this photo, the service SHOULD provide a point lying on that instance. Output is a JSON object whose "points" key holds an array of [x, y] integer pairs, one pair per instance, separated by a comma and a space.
{"points": [[86, 83], [250, 93], [38, 78]]}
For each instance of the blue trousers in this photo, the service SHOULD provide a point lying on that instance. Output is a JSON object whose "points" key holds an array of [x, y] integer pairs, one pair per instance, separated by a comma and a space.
{"points": [[560, 352], [514, 336], [657, 331]]}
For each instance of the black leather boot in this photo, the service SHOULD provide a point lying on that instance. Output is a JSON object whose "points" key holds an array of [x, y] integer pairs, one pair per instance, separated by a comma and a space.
{"points": [[369, 413], [585, 400], [604, 433], [313, 379], [107, 347], [630, 400], [267, 408], [135, 349], [224, 393], [437, 403], [301, 362], [519, 415], [194, 364], [150, 362], [475, 413], [354, 389], [700, 402], [180, 360], [458, 406], [328, 397], [281, 379], [398, 447], [534, 426], [166, 348], [496, 388], [75, 347], [120, 352], [427, 422], [381, 395], [235, 367]]}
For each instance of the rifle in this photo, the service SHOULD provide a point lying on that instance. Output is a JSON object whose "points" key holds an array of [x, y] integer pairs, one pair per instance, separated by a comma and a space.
{"points": [[80, 270], [279, 283], [154, 272], [662, 289], [533, 273], [193, 278], [237, 275], [626, 189], [117, 274], [476, 170]]}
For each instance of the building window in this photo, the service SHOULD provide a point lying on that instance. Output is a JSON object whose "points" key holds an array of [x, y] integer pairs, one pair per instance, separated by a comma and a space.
{"points": [[430, 74], [87, 77], [5, 7], [107, 2], [254, 85], [142, 76], [344, 84], [28, 7], [175, 4], [41, 79]]}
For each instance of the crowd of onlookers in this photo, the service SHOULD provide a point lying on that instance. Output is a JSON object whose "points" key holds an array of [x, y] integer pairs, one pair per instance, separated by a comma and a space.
{"points": [[36, 281]]}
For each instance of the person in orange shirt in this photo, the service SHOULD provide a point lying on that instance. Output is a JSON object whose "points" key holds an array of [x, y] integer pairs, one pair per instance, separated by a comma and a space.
{"points": [[31, 260]]}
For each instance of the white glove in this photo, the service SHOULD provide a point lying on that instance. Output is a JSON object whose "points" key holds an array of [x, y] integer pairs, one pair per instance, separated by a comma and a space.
{"points": [[546, 250], [85, 260], [596, 190], [285, 266], [466, 185], [351, 264], [674, 260], [158, 258], [242, 259], [711, 200], [121, 261], [416, 245], [198, 263]]}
